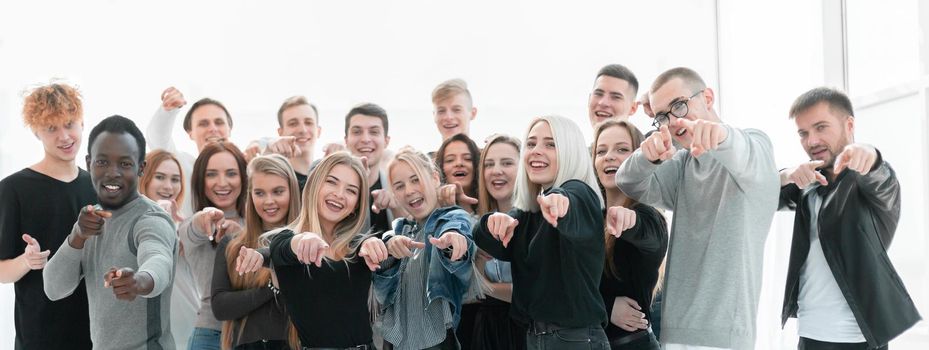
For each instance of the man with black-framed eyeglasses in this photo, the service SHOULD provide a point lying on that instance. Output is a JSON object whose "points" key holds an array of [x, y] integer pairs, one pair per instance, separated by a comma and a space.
{"points": [[723, 189]]}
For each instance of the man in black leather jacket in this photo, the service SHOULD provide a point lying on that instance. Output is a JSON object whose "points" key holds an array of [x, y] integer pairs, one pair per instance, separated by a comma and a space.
{"points": [[841, 285]]}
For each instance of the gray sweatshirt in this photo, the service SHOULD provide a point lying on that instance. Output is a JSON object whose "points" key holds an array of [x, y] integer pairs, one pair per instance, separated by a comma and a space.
{"points": [[723, 204], [143, 323], [200, 254]]}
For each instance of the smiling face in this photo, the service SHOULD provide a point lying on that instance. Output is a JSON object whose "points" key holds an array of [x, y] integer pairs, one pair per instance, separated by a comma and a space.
{"points": [[165, 183], [540, 156], [417, 195], [458, 165], [208, 123], [366, 138], [270, 196], [613, 146], [453, 115], [823, 134], [300, 122], [612, 98], [222, 181], [61, 142], [115, 169], [338, 195], [698, 106], [499, 171]]}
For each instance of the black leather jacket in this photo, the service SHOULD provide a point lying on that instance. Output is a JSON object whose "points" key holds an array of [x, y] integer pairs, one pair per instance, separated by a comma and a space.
{"points": [[857, 221]]}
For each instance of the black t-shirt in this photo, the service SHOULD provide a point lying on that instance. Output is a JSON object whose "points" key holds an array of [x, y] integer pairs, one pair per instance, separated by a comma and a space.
{"points": [[379, 221], [46, 209], [301, 180], [328, 305], [637, 255], [556, 271]]}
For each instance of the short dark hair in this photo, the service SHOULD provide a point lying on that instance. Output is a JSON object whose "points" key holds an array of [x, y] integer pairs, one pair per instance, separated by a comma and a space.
{"points": [[619, 71], [118, 124], [203, 102], [837, 100], [689, 76], [368, 109], [294, 101]]}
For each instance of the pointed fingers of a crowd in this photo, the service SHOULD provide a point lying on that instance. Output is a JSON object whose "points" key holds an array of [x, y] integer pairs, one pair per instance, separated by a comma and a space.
{"points": [[463, 197], [31, 243], [240, 260], [108, 277], [459, 246], [399, 247], [841, 162], [508, 233]]}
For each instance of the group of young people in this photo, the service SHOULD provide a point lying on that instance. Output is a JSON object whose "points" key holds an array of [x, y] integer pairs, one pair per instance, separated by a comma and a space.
{"points": [[539, 242]]}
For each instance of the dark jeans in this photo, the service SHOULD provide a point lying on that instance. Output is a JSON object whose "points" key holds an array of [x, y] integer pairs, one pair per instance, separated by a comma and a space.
{"points": [[588, 338], [645, 341], [810, 344], [264, 345]]}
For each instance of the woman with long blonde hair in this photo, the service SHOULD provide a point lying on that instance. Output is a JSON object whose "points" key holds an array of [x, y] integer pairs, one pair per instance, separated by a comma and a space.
{"points": [[322, 269], [636, 238], [556, 254], [429, 271], [247, 304]]}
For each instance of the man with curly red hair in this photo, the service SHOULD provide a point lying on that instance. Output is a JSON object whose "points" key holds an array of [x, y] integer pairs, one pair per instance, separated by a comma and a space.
{"points": [[38, 207]]}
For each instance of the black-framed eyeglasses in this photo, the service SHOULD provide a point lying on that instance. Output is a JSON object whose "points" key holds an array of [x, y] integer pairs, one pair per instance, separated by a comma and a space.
{"points": [[678, 109]]}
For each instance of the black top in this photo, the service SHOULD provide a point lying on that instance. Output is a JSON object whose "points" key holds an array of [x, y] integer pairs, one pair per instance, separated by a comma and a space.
{"points": [[46, 209], [637, 255], [328, 305], [379, 221], [266, 317], [556, 271], [301, 180]]}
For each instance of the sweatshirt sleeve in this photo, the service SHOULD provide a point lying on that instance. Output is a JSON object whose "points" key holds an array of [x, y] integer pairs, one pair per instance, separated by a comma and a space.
{"points": [[488, 243], [64, 271], [157, 248], [649, 232], [745, 153], [650, 183], [281, 254], [190, 235], [229, 303], [584, 220], [159, 133], [459, 221]]}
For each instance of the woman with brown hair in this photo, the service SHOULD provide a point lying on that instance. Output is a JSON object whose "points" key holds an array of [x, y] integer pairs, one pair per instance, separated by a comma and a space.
{"points": [[492, 327], [253, 317], [219, 202], [636, 242], [457, 161]]}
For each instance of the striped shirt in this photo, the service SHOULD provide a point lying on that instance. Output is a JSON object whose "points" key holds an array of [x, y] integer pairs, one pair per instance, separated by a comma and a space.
{"points": [[411, 324]]}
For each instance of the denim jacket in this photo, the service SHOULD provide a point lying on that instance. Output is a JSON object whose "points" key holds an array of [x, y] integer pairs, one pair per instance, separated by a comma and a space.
{"points": [[449, 280]]}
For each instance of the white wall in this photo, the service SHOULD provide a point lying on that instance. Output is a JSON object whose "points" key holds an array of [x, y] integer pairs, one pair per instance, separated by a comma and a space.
{"points": [[521, 59]]}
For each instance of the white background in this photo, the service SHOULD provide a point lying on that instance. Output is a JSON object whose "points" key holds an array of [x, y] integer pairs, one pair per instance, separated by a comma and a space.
{"points": [[520, 58]]}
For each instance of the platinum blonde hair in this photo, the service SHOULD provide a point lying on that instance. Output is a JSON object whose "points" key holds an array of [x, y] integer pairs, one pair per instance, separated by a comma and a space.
{"points": [[574, 162]]}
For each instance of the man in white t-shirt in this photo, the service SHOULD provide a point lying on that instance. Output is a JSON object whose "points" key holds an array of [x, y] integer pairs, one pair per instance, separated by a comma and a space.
{"points": [[841, 285]]}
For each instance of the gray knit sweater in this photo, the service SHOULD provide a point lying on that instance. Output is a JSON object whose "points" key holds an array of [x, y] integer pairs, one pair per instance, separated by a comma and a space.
{"points": [[143, 323], [723, 204]]}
